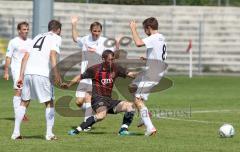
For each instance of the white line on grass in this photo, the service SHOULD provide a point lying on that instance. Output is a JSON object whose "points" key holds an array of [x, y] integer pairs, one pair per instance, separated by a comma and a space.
{"points": [[198, 121], [213, 111]]}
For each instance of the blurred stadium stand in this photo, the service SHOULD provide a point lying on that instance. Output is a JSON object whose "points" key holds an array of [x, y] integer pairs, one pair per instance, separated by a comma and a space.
{"points": [[214, 31]]}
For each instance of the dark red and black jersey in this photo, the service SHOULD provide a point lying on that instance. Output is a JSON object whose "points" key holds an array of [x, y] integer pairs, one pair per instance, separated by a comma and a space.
{"points": [[103, 78]]}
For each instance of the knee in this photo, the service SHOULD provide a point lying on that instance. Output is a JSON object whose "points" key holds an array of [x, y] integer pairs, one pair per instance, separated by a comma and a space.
{"points": [[129, 107], [139, 103], [101, 116], [79, 102]]}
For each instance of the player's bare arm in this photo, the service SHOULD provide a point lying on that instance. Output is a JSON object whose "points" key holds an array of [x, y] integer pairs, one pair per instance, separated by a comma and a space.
{"points": [[7, 63], [75, 80], [23, 66], [132, 74], [137, 40], [57, 76], [74, 21]]}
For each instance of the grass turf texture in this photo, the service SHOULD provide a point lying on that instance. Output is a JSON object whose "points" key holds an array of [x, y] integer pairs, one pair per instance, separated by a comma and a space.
{"points": [[213, 101]]}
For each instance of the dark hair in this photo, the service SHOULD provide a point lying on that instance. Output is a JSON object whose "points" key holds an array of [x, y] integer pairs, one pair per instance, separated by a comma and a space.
{"points": [[54, 25], [95, 24], [150, 22], [106, 53], [22, 23]]}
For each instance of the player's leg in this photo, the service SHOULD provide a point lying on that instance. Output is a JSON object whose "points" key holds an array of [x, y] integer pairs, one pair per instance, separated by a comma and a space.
{"points": [[88, 107], [18, 91], [101, 113], [43, 90], [83, 95], [16, 99], [20, 112], [145, 117], [129, 110], [143, 86], [49, 114], [84, 101], [99, 105]]}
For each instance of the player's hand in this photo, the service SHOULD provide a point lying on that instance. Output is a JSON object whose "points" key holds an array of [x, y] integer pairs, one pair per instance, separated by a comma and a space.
{"points": [[6, 76], [19, 83], [57, 80], [143, 58], [133, 24], [74, 19], [64, 85]]}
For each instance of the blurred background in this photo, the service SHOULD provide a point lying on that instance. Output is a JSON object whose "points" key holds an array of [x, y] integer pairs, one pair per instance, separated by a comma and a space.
{"points": [[212, 26]]}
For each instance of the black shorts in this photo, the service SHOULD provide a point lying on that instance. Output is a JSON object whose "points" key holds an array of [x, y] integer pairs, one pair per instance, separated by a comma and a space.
{"points": [[99, 101]]}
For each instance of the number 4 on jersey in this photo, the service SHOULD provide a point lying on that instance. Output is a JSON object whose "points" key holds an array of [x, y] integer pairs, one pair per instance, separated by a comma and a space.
{"points": [[39, 43]]}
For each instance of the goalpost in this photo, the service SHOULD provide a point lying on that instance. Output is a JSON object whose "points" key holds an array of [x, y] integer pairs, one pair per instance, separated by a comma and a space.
{"points": [[42, 14]]}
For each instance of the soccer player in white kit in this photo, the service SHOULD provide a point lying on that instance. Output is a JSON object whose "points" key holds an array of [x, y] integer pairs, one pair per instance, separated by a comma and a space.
{"points": [[15, 52], [35, 77], [92, 47], [155, 55]]}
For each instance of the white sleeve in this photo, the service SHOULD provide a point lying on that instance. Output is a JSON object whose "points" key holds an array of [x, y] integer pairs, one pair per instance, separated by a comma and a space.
{"points": [[29, 46], [10, 49], [56, 44], [148, 42], [80, 42]]}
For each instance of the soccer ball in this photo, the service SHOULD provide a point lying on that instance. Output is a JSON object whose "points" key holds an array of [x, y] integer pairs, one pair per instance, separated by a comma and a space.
{"points": [[226, 131]]}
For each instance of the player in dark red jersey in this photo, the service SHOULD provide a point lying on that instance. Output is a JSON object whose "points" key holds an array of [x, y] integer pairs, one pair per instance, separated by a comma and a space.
{"points": [[103, 76]]}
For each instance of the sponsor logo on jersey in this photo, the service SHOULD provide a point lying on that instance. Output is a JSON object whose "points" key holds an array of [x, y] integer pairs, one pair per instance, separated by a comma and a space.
{"points": [[106, 81]]}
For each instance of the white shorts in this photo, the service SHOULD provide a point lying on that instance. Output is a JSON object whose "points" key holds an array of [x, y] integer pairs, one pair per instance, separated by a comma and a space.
{"points": [[145, 84], [37, 87], [85, 85], [15, 77]]}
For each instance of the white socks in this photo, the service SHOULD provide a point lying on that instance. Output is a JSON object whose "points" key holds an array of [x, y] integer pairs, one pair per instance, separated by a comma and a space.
{"points": [[20, 112], [145, 118], [49, 120], [88, 111], [124, 126], [16, 103]]}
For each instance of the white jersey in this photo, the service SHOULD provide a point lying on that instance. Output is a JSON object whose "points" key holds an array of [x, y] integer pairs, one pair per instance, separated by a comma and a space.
{"points": [[16, 50], [156, 47], [88, 46], [39, 58]]}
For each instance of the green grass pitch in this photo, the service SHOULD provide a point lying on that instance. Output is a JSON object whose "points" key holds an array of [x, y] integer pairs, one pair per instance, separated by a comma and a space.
{"points": [[211, 100]]}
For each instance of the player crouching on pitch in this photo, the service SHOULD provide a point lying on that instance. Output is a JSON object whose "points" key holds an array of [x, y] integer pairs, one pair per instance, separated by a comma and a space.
{"points": [[103, 76]]}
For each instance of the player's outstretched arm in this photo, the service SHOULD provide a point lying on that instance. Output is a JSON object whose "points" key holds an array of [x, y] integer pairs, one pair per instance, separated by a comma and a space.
{"points": [[7, 63], [132, 74], [57, 76], [74, 21], [75, 80], [137, 40]]}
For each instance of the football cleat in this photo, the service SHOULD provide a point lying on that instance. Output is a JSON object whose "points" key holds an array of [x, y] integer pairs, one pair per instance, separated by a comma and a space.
{"points": [[123, 132], [153, 131], [16, 137], [51, 137], [73, 132]]}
